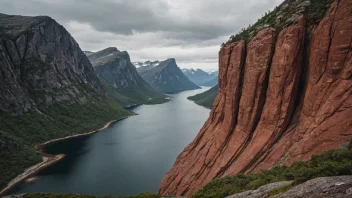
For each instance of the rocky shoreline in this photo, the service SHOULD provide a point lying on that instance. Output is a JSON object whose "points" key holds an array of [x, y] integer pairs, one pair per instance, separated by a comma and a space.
{"points": [[48, 159]]}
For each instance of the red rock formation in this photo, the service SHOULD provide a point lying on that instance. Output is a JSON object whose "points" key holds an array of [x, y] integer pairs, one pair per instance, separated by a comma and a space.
{"points": [[276, 107]]}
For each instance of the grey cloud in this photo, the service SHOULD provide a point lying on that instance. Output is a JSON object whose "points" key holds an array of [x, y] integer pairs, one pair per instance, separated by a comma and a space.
{"points": [[202, 20], [136, 25]]}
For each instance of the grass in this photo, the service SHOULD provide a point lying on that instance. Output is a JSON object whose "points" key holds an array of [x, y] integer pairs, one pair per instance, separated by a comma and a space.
{"points": [[206, 98], [330, 163], [19, 134]]}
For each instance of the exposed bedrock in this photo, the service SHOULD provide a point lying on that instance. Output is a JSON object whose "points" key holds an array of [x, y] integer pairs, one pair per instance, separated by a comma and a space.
{"points": [[282, 98]]}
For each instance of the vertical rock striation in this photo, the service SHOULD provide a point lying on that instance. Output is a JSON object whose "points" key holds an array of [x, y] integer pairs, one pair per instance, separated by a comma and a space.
{"points": [[278, 102]]}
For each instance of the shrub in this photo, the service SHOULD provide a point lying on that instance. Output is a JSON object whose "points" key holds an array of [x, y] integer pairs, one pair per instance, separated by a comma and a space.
{"points": [[329, 163]]}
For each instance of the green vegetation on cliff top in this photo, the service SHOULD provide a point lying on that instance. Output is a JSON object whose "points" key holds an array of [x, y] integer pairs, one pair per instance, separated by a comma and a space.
{"points": [[283, 16], [330, 163]]}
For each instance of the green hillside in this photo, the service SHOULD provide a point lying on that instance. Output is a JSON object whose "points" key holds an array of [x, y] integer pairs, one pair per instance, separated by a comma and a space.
{"points": [[206, 98]]}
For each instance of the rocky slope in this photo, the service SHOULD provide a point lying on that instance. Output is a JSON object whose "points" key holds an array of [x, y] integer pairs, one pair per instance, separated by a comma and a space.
{"points": [[41, 64], [166, 77], [200, 77], [120, 77], [48, 89], [282, 97], [323, 187]]}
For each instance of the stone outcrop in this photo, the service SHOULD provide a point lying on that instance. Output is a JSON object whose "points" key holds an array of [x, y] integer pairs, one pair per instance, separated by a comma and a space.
{"points": [[279, 102], [41, 64], [323, 187], [261, 192]]}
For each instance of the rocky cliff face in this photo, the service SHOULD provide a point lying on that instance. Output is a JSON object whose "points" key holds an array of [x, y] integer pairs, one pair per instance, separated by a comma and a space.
{"points": [[41, 64], [166, 77], [278, 102], [120, 77]]}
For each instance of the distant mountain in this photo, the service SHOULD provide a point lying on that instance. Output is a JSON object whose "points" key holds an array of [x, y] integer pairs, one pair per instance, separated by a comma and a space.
{"points": [[200, 77], [166, 77], [121, 79], [206, 98], [211, 83], [146, 64]]}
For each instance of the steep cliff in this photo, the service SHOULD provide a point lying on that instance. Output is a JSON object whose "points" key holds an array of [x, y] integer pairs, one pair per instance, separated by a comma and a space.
{"points": [[48, 89], [120, 77], [41, 64], [282, 97], [166, 77]]}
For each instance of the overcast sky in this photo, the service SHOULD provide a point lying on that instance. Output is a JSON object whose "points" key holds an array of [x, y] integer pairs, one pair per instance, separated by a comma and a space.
{"points": [[189, 30]]}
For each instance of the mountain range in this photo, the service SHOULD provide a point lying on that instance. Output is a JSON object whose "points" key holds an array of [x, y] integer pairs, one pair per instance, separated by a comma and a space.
{"points": [[284, 95], [166, 77], [120, 77], [201, 78]]}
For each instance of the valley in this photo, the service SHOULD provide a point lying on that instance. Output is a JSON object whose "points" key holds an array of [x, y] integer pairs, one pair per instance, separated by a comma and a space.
{"points": [[125, 158], [155, 107]]}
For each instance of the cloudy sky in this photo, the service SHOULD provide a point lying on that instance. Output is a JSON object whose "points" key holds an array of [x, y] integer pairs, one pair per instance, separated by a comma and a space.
{"points": [[189, 30]]}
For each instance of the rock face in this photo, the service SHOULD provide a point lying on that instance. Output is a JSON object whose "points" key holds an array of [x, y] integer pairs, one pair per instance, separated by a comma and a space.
{"points": [[166, 77], [41, 64], [120, 77], [277, 103], [262, 191], [201, 77], [323, 187]]}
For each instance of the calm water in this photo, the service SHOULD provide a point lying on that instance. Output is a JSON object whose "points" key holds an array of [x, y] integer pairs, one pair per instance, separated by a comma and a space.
{"points": [[128, 158]]}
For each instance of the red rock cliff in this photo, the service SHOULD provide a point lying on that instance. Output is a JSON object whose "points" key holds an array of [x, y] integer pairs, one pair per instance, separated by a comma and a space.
{"points": [[278, 103]]}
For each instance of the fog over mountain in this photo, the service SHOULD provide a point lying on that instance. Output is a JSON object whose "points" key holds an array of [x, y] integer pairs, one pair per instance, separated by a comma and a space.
{"points": [[150, 30]]}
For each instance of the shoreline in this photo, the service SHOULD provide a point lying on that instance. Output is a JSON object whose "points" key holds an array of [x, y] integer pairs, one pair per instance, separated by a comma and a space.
{"points": [[47, 159]]}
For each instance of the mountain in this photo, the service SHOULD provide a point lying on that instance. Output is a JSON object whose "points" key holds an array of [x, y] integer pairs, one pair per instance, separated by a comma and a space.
{"points": [[200, 77], [120, 77], [212, 82], [166, 77], [285, 94], [48, 90], [206, 98], [146, 64], [87, 53]]}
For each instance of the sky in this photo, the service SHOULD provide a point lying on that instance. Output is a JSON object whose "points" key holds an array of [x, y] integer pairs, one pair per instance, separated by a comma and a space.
{"points": [[191, 31]]}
